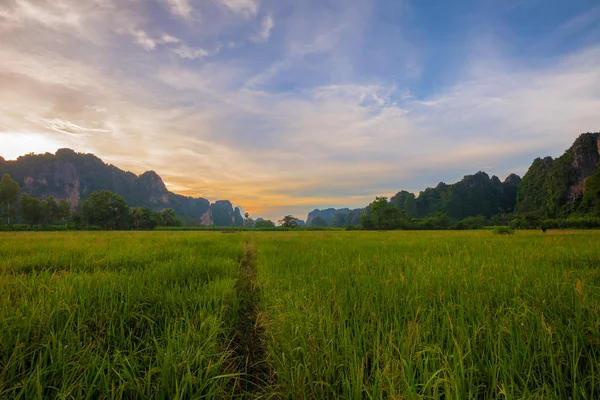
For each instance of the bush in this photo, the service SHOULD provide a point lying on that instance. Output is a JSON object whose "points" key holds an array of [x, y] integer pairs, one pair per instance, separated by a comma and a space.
{"points": [[504, 230]]}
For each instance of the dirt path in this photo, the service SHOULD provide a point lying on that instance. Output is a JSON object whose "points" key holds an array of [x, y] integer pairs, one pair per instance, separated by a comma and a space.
{"points": [[250, 348]]}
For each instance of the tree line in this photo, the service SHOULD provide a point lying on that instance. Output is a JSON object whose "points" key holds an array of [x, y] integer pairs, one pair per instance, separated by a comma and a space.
{"points": [[386, 215], [103, 210]]}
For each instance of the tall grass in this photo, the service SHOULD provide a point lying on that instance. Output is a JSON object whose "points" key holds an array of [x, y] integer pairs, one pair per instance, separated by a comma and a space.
{"points": [[116, 315], [437, 315]]}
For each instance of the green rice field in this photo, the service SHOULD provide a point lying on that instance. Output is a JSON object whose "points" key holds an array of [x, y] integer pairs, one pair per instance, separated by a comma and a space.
{"points": [[300, 315]]}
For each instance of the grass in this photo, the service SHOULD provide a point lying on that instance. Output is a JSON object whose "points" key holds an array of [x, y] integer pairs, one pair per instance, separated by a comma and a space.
{"points": [[339, 315], [437, 315], [116, 315]]}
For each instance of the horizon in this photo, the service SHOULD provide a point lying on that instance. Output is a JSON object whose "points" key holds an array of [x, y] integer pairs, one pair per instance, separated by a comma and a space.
{"points": [[275, 219], [285, 107]]}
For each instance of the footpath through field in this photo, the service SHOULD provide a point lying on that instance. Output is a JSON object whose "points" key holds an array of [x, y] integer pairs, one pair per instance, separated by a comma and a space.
{"points": [[249, 345]]}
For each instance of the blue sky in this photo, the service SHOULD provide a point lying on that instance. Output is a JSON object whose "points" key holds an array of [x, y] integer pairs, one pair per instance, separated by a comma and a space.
{"points": [[286, 106]]}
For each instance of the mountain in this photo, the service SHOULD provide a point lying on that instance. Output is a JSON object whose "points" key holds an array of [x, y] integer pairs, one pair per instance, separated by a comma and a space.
{"points": [[327, 214], [74, 176], [565, 185], [474, 195]]}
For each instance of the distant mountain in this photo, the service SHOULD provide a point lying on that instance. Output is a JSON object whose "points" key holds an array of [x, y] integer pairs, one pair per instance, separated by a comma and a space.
{"points": [[300, 222], [559, 187], [327, 214], [74, 176], [476, 194]]}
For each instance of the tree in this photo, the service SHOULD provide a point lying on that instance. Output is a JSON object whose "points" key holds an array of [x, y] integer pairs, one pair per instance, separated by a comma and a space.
{"points": [[264, 224], [33, 210], [169, 218], [382, 215], [339, 220], [9, 194], [52, 210], [318, 221], [106, 209], [288, 221], [64, 208], [248, 222], [142, 218]]}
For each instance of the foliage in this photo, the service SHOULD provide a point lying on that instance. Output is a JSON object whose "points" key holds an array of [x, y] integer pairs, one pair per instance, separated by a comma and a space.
{"points": [[382, 216], [168, 217], [318, 221], [477, 222], [9, 194], [33, 210], [504, 230], [107, 210], [264, 224], [591, 196], [289, 221]]}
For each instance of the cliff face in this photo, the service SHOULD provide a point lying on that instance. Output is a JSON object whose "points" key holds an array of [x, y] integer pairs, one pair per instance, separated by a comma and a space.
{"points": [[326, 214], [74, 176], [476, 194], [556, 187], [586, 155]]}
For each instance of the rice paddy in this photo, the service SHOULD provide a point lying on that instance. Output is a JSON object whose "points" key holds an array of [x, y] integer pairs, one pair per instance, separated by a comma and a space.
{"points": [[300, 315]]}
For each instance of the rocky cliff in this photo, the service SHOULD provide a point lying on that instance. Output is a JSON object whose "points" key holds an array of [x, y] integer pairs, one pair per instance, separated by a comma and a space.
{"points": [[74, 176], [476, 194], [556, 187], [326, 214]]}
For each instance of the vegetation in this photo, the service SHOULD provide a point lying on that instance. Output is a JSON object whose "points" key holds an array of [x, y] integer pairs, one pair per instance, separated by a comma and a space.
{"points": [[117, 315], [431, 314], [289, 221], [264, 224], [9, 193], [330, 314]]}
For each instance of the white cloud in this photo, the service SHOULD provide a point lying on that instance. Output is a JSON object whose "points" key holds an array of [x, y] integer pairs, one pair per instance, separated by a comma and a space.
{"points": [[166, 38], [141, 38], [184, 51], [246, 8], [180, 8], [264, 32]]}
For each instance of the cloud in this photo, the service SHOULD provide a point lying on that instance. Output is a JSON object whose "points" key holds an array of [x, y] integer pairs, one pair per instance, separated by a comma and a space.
{"points": [[245, 8], [180, 8], [66, 127], [166, 38], [293, 126], [184, 51], [264, 32], [141, 38]]}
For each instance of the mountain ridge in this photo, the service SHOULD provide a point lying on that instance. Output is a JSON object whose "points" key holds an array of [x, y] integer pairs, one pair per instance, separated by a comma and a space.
{"points": [[74, 176]]}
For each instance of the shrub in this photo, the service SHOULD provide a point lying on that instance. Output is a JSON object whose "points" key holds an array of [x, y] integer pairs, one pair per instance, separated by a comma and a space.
{"points": [[504, 230]]}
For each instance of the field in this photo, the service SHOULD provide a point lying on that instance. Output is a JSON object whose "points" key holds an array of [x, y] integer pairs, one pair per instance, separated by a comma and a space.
{"points": [[300, 315]]}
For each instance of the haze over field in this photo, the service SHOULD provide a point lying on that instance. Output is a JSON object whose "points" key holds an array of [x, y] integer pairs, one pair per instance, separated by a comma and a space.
{"points": [[286, 106]]}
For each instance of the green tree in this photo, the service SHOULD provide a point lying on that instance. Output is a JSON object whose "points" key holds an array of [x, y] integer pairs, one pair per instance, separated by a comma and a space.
{"points": [[142, 218], [106, 209], [169, 218], [339, 220], [318, 221], [367, 221], [264, 224], [64, 208], [288, 221], [33, 210], [52, 210], [9, 194]]}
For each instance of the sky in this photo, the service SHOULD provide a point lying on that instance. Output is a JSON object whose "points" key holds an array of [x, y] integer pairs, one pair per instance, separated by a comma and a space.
{"points": [[284, 106]]}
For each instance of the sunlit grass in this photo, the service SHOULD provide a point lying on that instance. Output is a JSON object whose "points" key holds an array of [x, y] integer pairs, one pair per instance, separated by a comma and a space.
{"points": [[352, 315], [116, 315], [432, 314]]}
